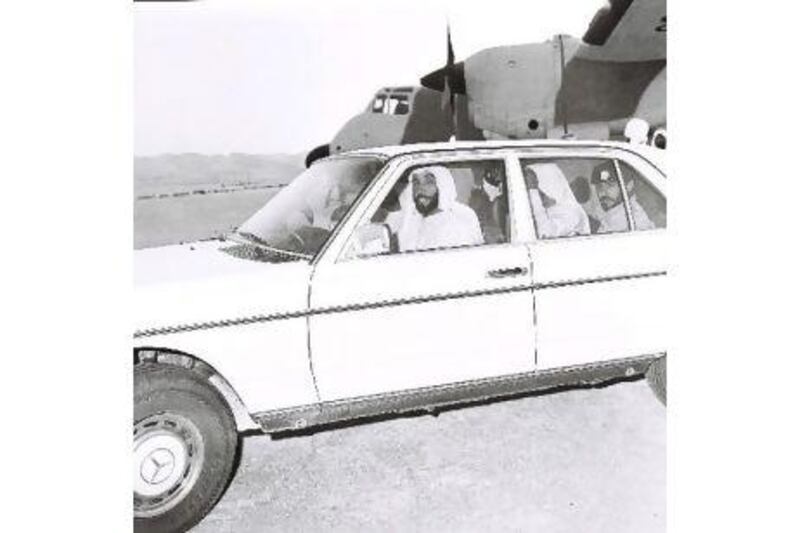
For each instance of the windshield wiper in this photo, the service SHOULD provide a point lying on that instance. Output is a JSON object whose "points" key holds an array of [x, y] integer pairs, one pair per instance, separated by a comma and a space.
{"points": [[254, 239]]}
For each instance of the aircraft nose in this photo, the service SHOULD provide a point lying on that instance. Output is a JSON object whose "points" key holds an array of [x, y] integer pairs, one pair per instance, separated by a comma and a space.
{"points": [[455, 75]]}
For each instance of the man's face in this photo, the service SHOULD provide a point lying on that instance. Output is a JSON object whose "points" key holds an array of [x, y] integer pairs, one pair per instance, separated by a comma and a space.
{"points": [[608, 191], [425, 192], [492, 177], [491, 184]]}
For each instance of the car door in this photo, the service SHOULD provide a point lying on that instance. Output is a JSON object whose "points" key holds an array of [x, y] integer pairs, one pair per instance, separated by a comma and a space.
{"points": [[599, 278], [421, 318]]}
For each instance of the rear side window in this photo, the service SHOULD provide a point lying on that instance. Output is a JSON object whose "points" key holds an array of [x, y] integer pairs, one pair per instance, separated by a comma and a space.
{"points": [[572, 197], [590, 196]]}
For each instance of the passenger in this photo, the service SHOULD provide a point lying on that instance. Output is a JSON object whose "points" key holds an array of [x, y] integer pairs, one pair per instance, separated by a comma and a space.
{"points": [[582, 190], [614, 218], [338, 195], [489, 203], [555, 210], [430, 215]]}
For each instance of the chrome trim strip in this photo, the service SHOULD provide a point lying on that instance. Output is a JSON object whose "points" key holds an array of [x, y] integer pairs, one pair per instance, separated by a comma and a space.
{"points": [[182, 328]]}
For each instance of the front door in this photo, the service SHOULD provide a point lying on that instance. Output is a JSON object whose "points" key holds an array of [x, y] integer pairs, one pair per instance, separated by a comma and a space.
{"points": [[423, 317]]}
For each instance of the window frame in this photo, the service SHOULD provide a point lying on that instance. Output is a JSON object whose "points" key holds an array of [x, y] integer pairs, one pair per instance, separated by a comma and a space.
{"points": [[658, 190], [399, 167], [553, 156]]}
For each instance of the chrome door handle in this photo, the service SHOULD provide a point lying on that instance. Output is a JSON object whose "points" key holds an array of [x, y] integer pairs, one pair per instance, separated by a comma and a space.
{"points": [[507, 272]]}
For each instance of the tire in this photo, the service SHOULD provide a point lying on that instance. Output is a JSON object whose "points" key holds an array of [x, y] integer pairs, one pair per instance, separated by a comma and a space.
{"points": [[185, 447], [657, 378]]}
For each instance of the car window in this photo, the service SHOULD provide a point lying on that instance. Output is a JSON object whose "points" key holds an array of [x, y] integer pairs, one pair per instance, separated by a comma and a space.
{"points": [[574, 197], [446, 205], [303, 215], [648, 205]]}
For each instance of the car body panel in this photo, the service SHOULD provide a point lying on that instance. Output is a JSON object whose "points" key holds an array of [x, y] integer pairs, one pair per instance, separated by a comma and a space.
{"points": [[199, 300], [441, 397], [475, 326]]}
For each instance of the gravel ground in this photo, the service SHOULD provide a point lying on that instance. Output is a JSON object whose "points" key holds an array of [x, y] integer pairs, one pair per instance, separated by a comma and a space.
{"points": [[162, 221], [588, 460]]}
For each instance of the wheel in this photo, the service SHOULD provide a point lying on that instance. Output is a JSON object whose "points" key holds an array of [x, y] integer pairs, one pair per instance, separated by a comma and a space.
{"points": [[184, 448], [657, 378]]}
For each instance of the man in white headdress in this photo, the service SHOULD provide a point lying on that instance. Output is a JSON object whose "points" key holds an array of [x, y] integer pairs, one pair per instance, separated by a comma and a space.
{"points": [[555, 210], [431, 216], [609, 193]]}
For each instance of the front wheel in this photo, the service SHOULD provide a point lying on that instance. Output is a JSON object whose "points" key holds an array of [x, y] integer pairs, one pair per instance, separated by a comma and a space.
{"points": [[184, 448]]}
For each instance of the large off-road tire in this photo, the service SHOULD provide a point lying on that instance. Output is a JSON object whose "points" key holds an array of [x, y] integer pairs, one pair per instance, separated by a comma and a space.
{"points": [[185, 444], [657, 378]]}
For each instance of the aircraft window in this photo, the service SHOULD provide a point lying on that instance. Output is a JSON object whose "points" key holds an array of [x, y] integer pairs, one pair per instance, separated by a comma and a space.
{"points": [[398, 105], [445, 206], [574, 197], [391, 105], [378, 104], [648, 206]]}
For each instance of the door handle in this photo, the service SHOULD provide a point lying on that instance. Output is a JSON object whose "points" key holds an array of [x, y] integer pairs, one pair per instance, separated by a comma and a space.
{"points": [[507, 272]]}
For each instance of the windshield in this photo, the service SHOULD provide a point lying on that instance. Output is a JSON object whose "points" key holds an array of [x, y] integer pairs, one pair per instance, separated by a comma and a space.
{"points": [[300, 218]]}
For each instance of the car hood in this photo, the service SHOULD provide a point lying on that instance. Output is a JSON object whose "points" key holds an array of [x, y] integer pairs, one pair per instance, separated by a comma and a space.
{"points": [[212, 281]]}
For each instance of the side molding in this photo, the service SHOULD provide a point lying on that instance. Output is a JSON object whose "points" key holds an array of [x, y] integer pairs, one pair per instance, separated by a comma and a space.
{"points": [[431, 399]]}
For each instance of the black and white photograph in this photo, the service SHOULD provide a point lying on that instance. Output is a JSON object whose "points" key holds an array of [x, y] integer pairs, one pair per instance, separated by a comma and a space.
{"points": [[293, 265], [400, 267]]}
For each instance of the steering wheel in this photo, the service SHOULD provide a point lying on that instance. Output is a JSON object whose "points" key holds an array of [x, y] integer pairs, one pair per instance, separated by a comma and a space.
{"points": [[295, 237], [308, 239]]}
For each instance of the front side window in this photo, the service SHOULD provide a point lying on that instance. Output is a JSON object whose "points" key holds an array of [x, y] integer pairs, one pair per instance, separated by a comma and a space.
{"points": [[301, 217], [446, 206]]}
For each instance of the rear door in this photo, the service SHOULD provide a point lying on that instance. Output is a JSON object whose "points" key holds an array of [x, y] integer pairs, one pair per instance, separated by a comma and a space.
{"points": [[599, 280]]}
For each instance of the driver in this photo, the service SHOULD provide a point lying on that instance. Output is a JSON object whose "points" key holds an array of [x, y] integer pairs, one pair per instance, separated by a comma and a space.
{"points": [[431, 216]]}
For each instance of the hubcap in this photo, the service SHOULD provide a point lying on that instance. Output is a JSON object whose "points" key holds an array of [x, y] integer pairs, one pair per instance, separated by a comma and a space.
{"points": [[167, 458]]}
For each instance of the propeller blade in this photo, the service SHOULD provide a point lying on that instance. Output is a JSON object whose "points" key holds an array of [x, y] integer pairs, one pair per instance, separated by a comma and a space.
{"points": [[451, 56], [455, 77], [451, 59]]}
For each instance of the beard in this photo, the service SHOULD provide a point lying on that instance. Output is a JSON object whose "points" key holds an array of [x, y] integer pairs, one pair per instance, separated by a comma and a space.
{"points": [[608, 203], [426, 205]]}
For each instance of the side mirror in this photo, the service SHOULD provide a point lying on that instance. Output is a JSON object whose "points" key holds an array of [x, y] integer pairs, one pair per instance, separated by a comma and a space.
{"points": [[371, 239]]}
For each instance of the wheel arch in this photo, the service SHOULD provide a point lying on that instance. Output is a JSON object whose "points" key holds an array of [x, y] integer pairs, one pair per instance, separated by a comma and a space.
{"points": [[166, 356]]}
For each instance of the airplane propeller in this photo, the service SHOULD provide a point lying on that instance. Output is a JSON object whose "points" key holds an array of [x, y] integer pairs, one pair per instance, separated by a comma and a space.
{"points": [[449, 80]]}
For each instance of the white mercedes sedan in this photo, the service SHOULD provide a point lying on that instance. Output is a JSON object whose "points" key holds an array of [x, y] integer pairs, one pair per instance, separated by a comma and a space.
{"points": [[395, 280]]}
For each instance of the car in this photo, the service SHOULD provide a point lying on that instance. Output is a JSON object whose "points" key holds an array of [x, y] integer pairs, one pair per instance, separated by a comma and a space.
{"points": [[395, 280]]}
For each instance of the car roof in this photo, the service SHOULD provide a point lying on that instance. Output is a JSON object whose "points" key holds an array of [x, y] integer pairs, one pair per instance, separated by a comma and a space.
{"points": [[645, 151]]}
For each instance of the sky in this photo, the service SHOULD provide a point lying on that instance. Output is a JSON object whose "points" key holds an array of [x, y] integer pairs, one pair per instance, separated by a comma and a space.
{"points": [[279, 76]]}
